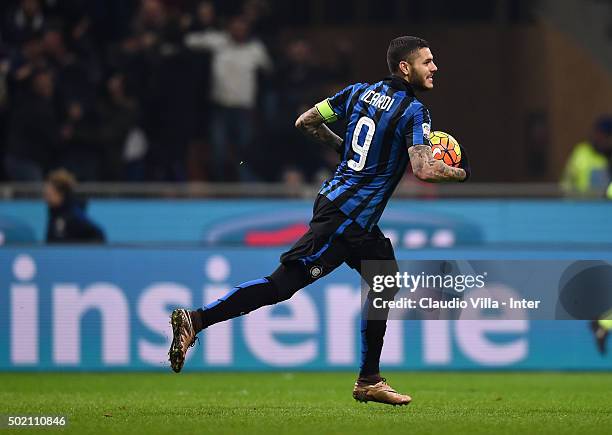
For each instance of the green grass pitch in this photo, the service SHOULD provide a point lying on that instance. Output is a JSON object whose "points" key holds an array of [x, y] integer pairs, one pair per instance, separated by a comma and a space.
{"points": [[312, 403]]}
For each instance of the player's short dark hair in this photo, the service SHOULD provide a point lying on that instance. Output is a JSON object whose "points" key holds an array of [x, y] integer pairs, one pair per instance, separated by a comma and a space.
{"points": [[401, 48]]}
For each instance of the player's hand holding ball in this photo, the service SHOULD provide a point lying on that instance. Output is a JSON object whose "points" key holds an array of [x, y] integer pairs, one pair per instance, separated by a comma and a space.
{"points": [[446, 148]]}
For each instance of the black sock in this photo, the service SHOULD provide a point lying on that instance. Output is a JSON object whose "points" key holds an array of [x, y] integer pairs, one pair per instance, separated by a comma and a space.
{"points": [[242, 299], [372, 338], [196, 320], [373, 328], [370, 379]]}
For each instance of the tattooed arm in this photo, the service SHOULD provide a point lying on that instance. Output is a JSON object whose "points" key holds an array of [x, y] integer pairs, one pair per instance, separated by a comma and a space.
{"points": [[426, 168], [312, 124]]}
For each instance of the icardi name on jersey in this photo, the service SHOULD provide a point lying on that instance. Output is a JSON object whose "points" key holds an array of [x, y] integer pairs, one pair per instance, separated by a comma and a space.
{"points": [[378, 100]]}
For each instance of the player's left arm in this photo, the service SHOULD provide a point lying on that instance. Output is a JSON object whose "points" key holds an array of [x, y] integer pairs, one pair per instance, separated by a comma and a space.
{"points": [[426, 168], [312, 124]]}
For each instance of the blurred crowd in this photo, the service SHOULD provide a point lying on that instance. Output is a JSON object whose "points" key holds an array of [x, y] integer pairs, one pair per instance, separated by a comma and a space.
{"points": [[158, 90]]}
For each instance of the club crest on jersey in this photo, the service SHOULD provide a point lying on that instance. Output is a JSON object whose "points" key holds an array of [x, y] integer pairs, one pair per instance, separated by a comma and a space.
{"points": [[426, 129], [316, 271]]}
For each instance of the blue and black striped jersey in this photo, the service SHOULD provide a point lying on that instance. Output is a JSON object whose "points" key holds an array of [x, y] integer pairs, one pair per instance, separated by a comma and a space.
{"points": [[384, 120]]}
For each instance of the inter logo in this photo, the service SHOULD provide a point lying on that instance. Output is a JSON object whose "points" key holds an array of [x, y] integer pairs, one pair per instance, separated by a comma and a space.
{"points": [[316, 271]]}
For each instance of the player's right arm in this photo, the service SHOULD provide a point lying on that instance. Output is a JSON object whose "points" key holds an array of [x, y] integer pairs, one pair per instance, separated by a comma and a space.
{"points": [[312, 122]]}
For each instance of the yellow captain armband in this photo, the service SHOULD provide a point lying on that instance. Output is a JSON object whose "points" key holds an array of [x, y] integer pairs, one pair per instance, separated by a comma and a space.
{"points": [[326, 111], [609, 191]]}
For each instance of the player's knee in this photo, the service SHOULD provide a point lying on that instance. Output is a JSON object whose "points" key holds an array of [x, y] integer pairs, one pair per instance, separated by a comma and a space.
{"points": [[288, 279]]}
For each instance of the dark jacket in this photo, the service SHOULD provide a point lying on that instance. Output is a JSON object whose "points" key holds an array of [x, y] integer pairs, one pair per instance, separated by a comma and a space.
{"points": [[34, 131], [69, 224]]}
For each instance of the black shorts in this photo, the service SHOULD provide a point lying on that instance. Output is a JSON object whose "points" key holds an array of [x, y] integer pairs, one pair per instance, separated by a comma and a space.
{"points": [[333, 239]]}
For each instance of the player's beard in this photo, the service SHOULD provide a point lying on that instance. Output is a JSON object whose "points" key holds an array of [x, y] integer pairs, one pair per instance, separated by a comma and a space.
{"points": [[419, 83]]}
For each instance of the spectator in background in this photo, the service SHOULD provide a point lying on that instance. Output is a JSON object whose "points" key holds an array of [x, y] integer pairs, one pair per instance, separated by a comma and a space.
{"points": [[74, 78], [118, 116], [75, 89], [300, 79], [150, 22], [204, 19], [80, 151], [130, 58], [237, 60], [293, 180], [25, 20], [71, 17], [105, 22], [589, 167], [172, 103], [67, 222], [34, 132], [259, 15], [29, 58]]}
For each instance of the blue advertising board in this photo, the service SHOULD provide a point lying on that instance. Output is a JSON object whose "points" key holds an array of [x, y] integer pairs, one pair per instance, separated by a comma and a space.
{"points": [[107, 308], [412, 224]]}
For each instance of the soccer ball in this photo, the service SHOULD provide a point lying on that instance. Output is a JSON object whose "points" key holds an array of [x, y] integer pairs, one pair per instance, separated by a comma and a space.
{"points": [[444, 147]]}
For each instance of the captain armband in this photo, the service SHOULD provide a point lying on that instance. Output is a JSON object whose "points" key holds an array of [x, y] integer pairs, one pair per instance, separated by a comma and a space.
{"points": [[326, 111]]}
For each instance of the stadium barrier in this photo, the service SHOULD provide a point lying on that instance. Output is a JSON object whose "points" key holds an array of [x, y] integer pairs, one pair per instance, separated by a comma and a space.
{"points": [[16, 190]]}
